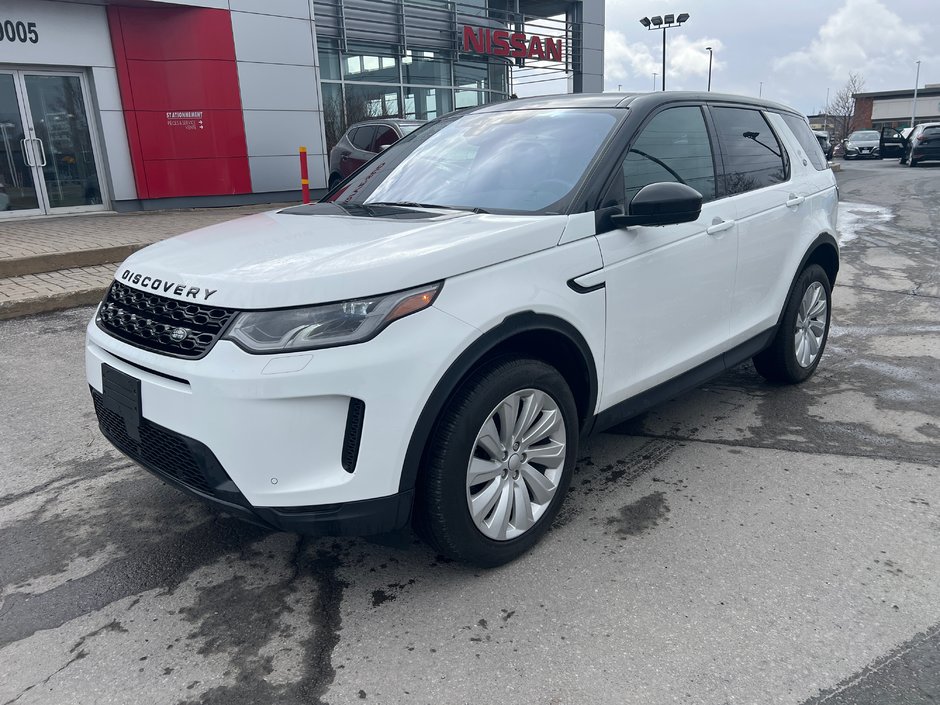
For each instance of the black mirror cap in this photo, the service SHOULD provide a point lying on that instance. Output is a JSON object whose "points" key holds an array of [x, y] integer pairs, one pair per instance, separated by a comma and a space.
{"points": [[665, 203]]}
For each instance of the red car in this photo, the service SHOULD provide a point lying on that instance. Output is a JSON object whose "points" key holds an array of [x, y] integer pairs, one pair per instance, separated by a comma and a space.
{"points": [[363, 141]]}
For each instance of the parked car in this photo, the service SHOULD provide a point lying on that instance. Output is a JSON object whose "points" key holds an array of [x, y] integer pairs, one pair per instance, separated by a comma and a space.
{"points": [[824, 142], [433, 341], [363, 141], [923, 144], [862, 144]]}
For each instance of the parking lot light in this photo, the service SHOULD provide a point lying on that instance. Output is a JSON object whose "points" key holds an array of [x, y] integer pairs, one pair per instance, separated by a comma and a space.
{"points": [[664, 23]]}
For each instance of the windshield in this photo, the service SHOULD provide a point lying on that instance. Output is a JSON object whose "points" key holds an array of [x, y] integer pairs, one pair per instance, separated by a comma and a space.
{"points": [[864, 136], [518, 161]]}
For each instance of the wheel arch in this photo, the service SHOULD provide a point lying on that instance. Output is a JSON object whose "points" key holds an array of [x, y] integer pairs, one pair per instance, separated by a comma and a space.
{"points": [[824, 251], [541, 336]]}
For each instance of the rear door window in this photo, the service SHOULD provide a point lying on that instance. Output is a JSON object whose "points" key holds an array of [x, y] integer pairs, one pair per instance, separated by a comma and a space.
{"points": [[362, 137], [385, 136], [753, 156], [673, 146], [810, 143]]}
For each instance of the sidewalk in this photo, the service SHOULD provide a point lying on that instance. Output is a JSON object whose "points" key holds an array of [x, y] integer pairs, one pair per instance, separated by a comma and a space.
{"points": [[48, 264]]}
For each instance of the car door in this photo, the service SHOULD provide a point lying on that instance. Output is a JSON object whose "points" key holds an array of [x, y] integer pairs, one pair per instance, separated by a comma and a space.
{"points": [[668, 288], [891, 144], [768, 207], [361, 140]]}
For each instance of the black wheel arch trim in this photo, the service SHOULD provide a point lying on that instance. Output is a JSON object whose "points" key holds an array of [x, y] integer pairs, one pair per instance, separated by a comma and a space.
{"points": [[523, 322], [822, 240]]}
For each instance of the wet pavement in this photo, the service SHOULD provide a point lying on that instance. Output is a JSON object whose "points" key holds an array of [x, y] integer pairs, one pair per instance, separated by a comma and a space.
{"points": [[744, 543]]}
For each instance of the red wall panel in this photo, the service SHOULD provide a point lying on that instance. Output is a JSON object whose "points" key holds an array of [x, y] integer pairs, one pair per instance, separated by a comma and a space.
{"points": [[182, 107]]}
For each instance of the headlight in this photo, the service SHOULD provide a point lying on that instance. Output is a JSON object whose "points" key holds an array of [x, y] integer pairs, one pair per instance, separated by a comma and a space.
{"points": [[327, 325]]}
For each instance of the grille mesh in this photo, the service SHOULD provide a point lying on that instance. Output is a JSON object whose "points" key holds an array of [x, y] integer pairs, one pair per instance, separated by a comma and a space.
{"points": [[149, 321], [158, 448]]}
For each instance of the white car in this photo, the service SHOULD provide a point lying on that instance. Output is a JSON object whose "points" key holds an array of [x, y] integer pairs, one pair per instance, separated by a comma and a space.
{"points": [[432, 342]]}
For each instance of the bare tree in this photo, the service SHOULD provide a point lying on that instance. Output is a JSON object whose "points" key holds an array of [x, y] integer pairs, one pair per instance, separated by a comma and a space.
{"points": [[841, 107]]}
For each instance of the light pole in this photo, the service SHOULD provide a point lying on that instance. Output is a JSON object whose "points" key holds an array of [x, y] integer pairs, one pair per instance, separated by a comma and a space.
{"points": [[664, 22], [760, 91], [826, 118], [914, 102], [654, 80], [709, 50]]}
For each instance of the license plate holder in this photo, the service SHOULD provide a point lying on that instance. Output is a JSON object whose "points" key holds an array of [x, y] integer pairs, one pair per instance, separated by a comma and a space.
{"points": [[120, 394]]}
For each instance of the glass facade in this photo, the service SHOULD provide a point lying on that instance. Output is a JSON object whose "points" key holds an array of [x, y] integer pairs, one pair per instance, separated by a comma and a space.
{"points": [[368, 82]]}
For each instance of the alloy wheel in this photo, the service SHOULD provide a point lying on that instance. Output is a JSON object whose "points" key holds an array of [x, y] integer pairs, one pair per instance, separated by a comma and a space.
{"points": [[516, 464], [811, 324]]}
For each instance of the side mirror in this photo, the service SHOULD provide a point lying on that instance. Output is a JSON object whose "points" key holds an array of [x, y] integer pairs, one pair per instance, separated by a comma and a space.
{"points": [[665, 203]]}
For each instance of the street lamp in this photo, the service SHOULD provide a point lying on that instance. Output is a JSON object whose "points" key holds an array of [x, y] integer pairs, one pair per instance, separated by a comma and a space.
{"points": [[664, 22], [914, 102], [709, 50], [654, 80]]}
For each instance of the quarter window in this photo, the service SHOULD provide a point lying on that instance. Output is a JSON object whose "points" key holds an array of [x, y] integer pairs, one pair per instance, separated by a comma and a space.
{"points": [[808, 141], [753, 157], [674, 146]]}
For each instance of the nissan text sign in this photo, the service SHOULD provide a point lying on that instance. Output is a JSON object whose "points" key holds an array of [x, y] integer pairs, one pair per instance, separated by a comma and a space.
{"points": [[518, 45]]}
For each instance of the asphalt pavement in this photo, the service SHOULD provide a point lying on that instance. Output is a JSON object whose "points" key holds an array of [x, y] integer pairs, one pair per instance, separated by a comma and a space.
{"points": [[745, 543]]}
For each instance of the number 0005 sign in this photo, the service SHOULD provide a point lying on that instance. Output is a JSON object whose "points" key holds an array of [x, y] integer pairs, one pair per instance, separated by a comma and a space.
{"points": [[11, 31]]}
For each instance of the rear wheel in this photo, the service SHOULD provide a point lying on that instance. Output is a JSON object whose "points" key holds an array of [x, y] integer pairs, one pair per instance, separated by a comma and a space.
{"points": [[499, 463], [798, 345]]}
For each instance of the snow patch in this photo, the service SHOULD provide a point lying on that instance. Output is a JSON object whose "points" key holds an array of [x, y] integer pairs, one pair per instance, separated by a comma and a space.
{"points": [[855, 217]]}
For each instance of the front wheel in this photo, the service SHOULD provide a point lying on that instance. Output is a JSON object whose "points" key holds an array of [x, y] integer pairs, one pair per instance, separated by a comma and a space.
{"points": [[499, 463], [798, 345]]}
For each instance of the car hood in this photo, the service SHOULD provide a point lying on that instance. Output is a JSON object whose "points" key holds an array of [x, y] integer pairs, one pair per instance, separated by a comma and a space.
{"points": [[279, 259]]}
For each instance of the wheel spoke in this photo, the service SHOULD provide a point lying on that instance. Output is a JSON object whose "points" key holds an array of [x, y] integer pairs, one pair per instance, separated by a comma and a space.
{"points": [[489, 440], [508, 412], [541, 487], [817, 328], [500, 521], [541, 428], [551, 454], [532, 405], [522, 517], [813, 347], [819, 309], [483, 501], [801, 348], [481, 471]]}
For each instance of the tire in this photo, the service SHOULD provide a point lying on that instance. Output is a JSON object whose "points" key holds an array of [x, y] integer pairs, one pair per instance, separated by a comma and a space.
{"points": [[785, 361], [466, 429]]}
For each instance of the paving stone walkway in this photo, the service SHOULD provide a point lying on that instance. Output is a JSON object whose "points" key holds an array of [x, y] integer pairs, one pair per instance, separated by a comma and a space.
{"points": [[48, 264]]}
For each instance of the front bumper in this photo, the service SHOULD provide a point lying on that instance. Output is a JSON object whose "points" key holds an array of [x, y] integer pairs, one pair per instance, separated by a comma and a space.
{"points": [[268, 434]]}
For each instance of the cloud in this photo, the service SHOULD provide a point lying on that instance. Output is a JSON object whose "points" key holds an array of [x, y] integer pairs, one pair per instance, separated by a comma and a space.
{"points": [[632, 64], [862, 36]]}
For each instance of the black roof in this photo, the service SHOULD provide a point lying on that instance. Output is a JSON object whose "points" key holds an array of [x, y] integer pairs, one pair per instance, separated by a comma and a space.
{"points": [[624, 100]]}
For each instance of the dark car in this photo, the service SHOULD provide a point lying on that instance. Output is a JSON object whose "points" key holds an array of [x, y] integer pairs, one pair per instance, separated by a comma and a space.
{"points": [[923, 144], [363, 141], [824, 142]]}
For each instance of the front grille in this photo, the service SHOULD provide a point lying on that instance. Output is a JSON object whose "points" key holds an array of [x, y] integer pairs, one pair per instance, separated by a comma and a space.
{"points": [[150, 321], [158, 449]]}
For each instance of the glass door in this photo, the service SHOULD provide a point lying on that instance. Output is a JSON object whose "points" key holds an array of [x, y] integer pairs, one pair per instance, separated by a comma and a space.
{"points": [[19, 194], [49, 163]]}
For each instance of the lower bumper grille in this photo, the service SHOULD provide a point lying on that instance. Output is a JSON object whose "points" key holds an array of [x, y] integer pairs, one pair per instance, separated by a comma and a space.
{"points": [[159, 449]]}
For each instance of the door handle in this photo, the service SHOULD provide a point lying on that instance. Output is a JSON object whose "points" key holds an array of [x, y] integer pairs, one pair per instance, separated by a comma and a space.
{"points": [[795, 200], [719, 226], [27, 152], [42, 150]]}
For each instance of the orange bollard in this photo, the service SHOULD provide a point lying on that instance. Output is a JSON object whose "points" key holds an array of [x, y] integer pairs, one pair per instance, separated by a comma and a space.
{"points": [[304, 177]]}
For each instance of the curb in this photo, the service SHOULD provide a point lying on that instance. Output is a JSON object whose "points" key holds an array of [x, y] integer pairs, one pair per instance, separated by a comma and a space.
{"points": [[54, 261], [55, 302]]}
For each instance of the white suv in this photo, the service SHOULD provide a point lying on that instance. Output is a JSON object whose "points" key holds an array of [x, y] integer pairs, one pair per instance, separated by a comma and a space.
{"points": [[434, 339]]}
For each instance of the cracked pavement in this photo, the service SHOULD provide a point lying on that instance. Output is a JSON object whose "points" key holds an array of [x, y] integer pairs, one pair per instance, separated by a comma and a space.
{"points": [[743, 543]]}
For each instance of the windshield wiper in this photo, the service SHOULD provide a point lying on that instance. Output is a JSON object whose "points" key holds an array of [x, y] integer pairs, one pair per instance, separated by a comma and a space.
{"points": [[414, 204]]}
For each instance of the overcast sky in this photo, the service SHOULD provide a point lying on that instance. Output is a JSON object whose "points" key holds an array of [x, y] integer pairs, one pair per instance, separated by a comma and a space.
{"points": [[798, 48]]}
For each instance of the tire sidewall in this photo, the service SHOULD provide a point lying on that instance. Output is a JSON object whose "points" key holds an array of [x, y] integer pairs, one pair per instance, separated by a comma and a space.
{"points": [[482, 394], [813, 273]]}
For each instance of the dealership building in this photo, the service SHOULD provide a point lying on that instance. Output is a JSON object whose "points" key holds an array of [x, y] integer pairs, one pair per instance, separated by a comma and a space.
{"points": [[895, 108], [168, 103]]}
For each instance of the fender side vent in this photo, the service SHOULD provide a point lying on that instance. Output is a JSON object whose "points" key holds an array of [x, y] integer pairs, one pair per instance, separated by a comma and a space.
{"points": [[354, 418]]}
